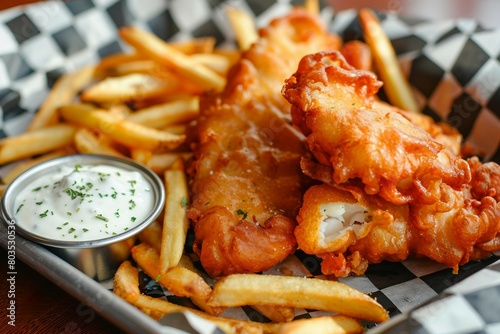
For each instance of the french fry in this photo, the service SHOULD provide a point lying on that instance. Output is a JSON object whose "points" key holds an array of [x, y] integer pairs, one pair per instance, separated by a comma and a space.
{"points": [[107, 64], [134, 86], [180, 281], [175, 128], [152, 235], [216, 62], [140, 155], [126, 282], [195, 45], [126, 285], [63, 92], [243, 27], [396, 86], [160, 162], [86, 142], [231, 54], [120, 130], [162, 115], [312, 6], [337, 324], [297, 292], [175, 223], [152, 46], [35, 142], [143, 66], [274, 313]]}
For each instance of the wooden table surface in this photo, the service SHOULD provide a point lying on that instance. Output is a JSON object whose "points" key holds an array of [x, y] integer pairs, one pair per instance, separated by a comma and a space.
{"points": [[42, 307]]}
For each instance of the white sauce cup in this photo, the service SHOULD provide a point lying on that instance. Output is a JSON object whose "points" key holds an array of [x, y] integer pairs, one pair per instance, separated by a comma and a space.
{"points": [[99, 258]]}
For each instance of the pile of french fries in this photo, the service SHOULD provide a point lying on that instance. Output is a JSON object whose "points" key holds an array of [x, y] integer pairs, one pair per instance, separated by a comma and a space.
{"points": [[138, 105]]}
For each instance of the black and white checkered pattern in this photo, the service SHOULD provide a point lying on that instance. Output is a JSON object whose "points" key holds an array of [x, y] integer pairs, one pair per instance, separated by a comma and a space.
{"points": [[454, 67]]}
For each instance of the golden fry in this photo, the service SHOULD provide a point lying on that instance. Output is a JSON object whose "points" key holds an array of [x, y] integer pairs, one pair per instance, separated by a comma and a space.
{"points": [[297, 292], [63, 92], [275, 313], [160, 162], [162, 115], [175, 223], [178, 280], [216, 62], [35, 142], [396, 86], [120, 130], [312, 6], [86, 142], [243, 27], [149, 44], [337, 324], [107, 64], [126, 285], [144, 66], [151, 235], [195, 45], [126, 282], [140, 155], [175, 128], [134, 86]]}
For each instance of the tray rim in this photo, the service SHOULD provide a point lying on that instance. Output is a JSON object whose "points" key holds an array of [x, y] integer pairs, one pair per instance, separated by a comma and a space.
{"points": [[83, 288]]}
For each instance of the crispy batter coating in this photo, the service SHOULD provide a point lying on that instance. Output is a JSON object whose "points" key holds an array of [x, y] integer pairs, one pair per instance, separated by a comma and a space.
{"points": [[247, 185], [441, 132], [334, 106], [463, 225]]}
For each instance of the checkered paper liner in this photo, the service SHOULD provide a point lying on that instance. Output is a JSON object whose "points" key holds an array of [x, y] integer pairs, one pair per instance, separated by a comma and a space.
{"points": [[453, 66]]}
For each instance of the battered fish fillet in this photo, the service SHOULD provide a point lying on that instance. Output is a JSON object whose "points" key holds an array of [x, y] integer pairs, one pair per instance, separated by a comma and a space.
{"points": [[334, 106], [350, 229], [394, 185], [247, 185]]}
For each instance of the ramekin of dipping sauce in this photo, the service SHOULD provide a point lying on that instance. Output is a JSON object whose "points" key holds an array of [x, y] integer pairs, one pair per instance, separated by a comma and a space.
{"points": [[87, 209]]}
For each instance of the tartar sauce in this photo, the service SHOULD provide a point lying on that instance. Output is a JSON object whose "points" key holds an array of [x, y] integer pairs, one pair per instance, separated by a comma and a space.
{"points": [[82, 203]]}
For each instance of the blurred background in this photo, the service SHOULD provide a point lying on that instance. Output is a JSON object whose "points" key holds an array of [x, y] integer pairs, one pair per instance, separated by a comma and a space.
{"points": [[485, 11]]}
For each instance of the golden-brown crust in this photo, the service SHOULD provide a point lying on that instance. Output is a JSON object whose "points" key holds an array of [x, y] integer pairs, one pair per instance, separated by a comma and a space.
{"points": [[334, 105], [423, 198], [246, 180]]}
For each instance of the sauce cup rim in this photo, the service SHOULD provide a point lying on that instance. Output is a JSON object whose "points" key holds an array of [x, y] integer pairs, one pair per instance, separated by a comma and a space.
{"points": [[13, 189]]}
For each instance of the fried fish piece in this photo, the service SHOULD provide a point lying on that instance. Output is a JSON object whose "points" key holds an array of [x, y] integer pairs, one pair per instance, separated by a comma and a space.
{"points": [[334, 106], [246, 181], [350, 229]]}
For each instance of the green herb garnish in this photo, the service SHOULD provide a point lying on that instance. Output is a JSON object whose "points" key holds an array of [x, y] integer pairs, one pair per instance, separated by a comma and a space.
{"points": [[242, 213], [101, 217], [19, 208]]}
